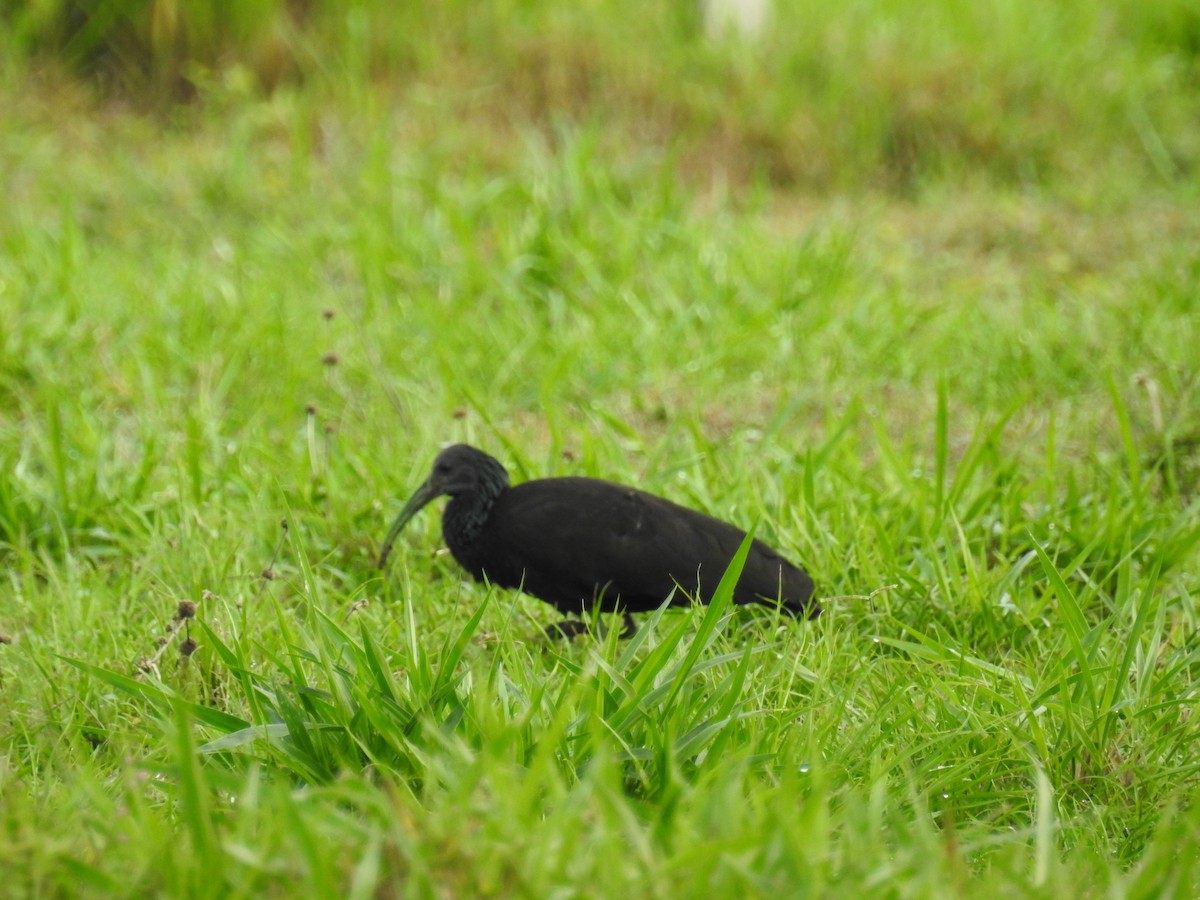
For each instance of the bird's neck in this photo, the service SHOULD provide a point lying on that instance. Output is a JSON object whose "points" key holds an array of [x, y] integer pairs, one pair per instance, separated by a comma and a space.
{"points": [[467, 514]]}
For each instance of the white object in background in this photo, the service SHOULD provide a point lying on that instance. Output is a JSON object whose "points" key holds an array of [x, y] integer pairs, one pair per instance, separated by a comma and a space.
{"points": [[744, 18]]}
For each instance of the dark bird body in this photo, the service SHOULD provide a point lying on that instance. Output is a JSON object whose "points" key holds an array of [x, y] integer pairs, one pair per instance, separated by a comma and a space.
{"points": [[579, 542]]}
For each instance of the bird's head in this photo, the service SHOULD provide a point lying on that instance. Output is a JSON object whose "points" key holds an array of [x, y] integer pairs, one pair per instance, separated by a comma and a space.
{"points": [[458, 471]]}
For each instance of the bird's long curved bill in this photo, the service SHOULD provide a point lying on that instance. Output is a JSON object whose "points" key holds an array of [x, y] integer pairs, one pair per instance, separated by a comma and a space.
{"points": [[424, 494]]}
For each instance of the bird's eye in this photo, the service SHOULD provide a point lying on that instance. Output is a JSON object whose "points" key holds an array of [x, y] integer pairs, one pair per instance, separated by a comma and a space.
{"points": [[441, 469]]}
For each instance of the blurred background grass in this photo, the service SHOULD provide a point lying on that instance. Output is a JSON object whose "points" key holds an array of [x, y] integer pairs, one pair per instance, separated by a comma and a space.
{"points": [[827, 97]]}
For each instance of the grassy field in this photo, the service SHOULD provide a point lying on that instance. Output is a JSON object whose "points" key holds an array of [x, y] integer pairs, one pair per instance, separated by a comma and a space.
{"points": [[917, 294]]}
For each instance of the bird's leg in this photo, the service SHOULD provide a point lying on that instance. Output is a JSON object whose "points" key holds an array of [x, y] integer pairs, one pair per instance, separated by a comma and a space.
{"points": [[569, 628], [566, 629], [628, 626]]}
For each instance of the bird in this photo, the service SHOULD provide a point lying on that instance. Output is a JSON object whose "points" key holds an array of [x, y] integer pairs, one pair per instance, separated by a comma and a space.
{"points": [[585, 543]]}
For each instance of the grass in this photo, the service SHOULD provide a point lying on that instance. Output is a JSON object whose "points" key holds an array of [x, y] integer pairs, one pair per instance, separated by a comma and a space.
{"points": [[957, 380]]}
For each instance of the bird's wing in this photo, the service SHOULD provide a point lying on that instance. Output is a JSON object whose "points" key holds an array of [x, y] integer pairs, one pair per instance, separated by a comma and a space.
{"points": [[574, 537]]}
